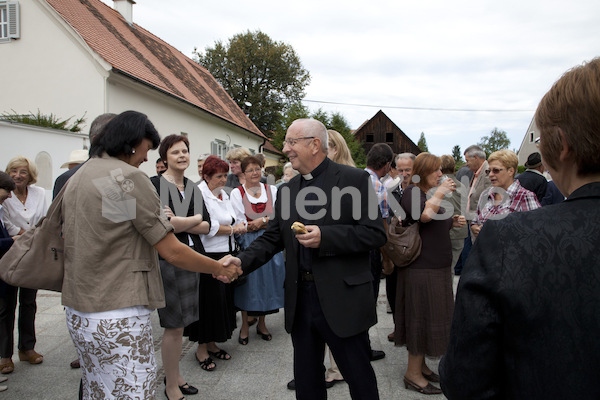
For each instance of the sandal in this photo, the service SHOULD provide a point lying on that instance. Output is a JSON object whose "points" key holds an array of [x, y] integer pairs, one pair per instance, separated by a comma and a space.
{"points": [[207, 364], [264, 336], [7, 367], [221, 354], [34, 358]]}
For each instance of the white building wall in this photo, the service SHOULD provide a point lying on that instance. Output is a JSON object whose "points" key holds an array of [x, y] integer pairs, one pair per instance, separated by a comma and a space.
{"points": [[47, 70], [31, 142], [171, 116]]}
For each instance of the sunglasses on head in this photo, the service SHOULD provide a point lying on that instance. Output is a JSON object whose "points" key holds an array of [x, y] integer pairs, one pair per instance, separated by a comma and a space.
{"points": [[496, 171]]}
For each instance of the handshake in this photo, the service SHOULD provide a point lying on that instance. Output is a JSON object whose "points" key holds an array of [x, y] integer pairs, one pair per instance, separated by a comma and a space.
{"points": [[231, 269]]}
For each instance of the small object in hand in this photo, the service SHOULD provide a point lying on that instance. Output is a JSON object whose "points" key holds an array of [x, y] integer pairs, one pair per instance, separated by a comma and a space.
{"points": [[299, 228]]}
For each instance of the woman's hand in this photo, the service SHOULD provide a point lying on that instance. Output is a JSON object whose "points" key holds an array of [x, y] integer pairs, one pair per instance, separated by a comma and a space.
{"points": [[256, 225], [458, 221], [168, 212], [239, 229], [475, 229], [448, 186], [231, 269]]}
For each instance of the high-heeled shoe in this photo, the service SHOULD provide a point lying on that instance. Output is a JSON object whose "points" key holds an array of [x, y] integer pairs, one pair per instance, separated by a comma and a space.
{"points": [[7, 367], [432, 377], [429, 389], [186, 388], [264, 336]]}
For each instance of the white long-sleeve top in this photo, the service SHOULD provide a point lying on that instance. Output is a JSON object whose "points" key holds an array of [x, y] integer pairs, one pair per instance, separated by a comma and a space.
{"points": [[17, 215], [221, 213]]}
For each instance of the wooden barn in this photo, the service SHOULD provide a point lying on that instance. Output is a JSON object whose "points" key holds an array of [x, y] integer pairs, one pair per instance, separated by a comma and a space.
{"points": [[381, 129]]}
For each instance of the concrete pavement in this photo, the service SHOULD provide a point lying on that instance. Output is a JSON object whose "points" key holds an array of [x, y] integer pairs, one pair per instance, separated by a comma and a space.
{"points": [[259, 370]]}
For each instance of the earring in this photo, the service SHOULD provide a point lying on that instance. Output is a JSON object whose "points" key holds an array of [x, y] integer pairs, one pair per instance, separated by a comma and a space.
{"points": [[133, 151]]}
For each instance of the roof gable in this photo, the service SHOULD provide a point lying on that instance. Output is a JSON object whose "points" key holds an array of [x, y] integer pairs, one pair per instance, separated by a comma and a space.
{"points": [[135, 52]]}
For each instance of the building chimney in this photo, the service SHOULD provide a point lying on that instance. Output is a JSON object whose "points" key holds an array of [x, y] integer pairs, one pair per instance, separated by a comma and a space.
{"points": [[125, 8]]}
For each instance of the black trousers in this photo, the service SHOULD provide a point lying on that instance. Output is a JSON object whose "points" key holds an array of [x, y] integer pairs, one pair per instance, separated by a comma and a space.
{"points": [[352, 354], [391, 281], [27, 310]]}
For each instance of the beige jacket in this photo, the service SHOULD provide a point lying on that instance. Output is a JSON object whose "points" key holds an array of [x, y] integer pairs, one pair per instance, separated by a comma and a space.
{"points": [[111, 222]]}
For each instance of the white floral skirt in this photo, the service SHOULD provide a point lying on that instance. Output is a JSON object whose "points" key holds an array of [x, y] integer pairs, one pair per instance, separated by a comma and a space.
{"points": [[116, 354]]}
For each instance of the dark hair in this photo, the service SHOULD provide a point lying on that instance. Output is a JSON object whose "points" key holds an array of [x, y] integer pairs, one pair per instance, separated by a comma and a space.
{"points": [[159, 159], [123, 133], [214, 165], [6, 182], [169, 142], [379, 155], [249, 160]]}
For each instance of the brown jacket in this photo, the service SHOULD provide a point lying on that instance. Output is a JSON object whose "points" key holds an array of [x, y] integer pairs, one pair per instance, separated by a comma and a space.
{"points": [[112, 221]]}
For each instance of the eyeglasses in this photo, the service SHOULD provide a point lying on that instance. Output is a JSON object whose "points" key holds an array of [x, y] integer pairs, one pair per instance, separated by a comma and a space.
{"points": [[253, 170], [496, 171], [292, 142]]}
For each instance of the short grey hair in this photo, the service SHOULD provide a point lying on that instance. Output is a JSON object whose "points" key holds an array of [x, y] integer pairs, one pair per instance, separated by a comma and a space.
{"points": [[314, 127], [99, 123], [203, 157], [405, 155], [475, 151]]}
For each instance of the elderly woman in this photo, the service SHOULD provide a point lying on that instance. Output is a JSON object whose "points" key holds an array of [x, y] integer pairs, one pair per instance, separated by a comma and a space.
{"points": [[181, 287], [217, 311], [423, 322], [112, 230], [506, 195], [262, 294], [20, 212], [235, 158]]}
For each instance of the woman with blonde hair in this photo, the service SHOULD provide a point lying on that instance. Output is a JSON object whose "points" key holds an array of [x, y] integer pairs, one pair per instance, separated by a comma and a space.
{"points": [[235, 157], [22, 211], [506, 195], [338, 150]]}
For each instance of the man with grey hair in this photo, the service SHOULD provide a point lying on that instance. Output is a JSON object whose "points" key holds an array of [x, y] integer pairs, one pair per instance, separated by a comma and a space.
{"points": [[328, 282], [477, 163]]}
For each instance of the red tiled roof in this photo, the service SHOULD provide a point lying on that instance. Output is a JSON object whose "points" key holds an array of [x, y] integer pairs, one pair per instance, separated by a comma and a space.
{"points": [[268, 146], [135, 52]]}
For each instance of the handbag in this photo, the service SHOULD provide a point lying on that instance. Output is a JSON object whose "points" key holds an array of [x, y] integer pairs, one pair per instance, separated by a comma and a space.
{"points": [[404, 243], [36, 258]]}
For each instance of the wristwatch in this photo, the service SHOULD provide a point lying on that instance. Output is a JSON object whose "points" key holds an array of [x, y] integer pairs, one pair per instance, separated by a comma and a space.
{"points": [[265, 220]]}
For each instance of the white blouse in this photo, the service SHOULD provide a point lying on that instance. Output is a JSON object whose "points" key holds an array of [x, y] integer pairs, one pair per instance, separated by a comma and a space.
{"points": [[221, 213], [17, 215], [238, 205]]}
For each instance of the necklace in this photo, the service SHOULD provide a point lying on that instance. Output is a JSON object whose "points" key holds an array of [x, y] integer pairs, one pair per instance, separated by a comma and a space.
{"points": [[171, 179], [22, 198]]}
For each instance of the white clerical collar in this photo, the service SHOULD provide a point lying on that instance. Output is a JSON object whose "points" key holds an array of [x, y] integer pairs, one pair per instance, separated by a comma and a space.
{"points": [[308, 176]]}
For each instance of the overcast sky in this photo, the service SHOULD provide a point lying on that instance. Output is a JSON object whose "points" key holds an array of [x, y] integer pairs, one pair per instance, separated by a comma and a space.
{"points": [[395, 54]]}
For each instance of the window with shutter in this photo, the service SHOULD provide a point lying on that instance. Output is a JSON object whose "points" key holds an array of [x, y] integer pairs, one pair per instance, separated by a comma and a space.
{"points": [[9, 21]]}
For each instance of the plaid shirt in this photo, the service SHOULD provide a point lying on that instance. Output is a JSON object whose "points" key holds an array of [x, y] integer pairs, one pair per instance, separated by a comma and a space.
{"points": [[381, 192], [517, 199]]}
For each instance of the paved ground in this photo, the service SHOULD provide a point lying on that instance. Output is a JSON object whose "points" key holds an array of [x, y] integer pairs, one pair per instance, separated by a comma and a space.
{"points": [[257, 371]]}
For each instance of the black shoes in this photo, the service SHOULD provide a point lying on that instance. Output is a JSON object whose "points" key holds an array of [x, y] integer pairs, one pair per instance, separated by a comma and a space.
{"points": [[377, 355], [429, 389], [264, 336], [328, 384], [186, 388]]}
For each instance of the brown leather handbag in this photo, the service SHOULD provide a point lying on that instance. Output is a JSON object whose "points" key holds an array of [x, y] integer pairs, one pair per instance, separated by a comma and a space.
{"points": [[36, 258], [404, 243]]}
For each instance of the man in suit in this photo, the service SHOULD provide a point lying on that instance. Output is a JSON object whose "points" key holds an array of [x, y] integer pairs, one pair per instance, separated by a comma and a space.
{"points": [[526, 320], [328, 283], [532, 179], [477, 163]]}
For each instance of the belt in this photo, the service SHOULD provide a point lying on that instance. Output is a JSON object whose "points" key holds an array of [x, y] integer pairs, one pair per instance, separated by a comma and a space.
{"points": [[306, 276]]}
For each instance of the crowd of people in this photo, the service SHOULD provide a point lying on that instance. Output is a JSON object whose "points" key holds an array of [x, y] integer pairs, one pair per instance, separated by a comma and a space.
{"points": [[524, 248]]}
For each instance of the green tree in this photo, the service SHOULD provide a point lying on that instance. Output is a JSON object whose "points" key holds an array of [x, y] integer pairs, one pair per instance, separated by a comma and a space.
{"points": [[422, 143], [457, 155], [497, 140], [255, 69], [338, 122]]}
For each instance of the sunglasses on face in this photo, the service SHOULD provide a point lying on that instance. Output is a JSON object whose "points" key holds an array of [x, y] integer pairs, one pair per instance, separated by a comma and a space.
{"points": [[496, 171]]}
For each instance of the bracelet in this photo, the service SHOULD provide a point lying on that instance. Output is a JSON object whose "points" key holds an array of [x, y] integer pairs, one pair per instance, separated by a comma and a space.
{"points": [[231, 233]]}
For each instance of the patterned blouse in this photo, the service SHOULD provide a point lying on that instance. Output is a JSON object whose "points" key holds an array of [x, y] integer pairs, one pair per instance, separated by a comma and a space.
{"points": [[516, 198]]}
